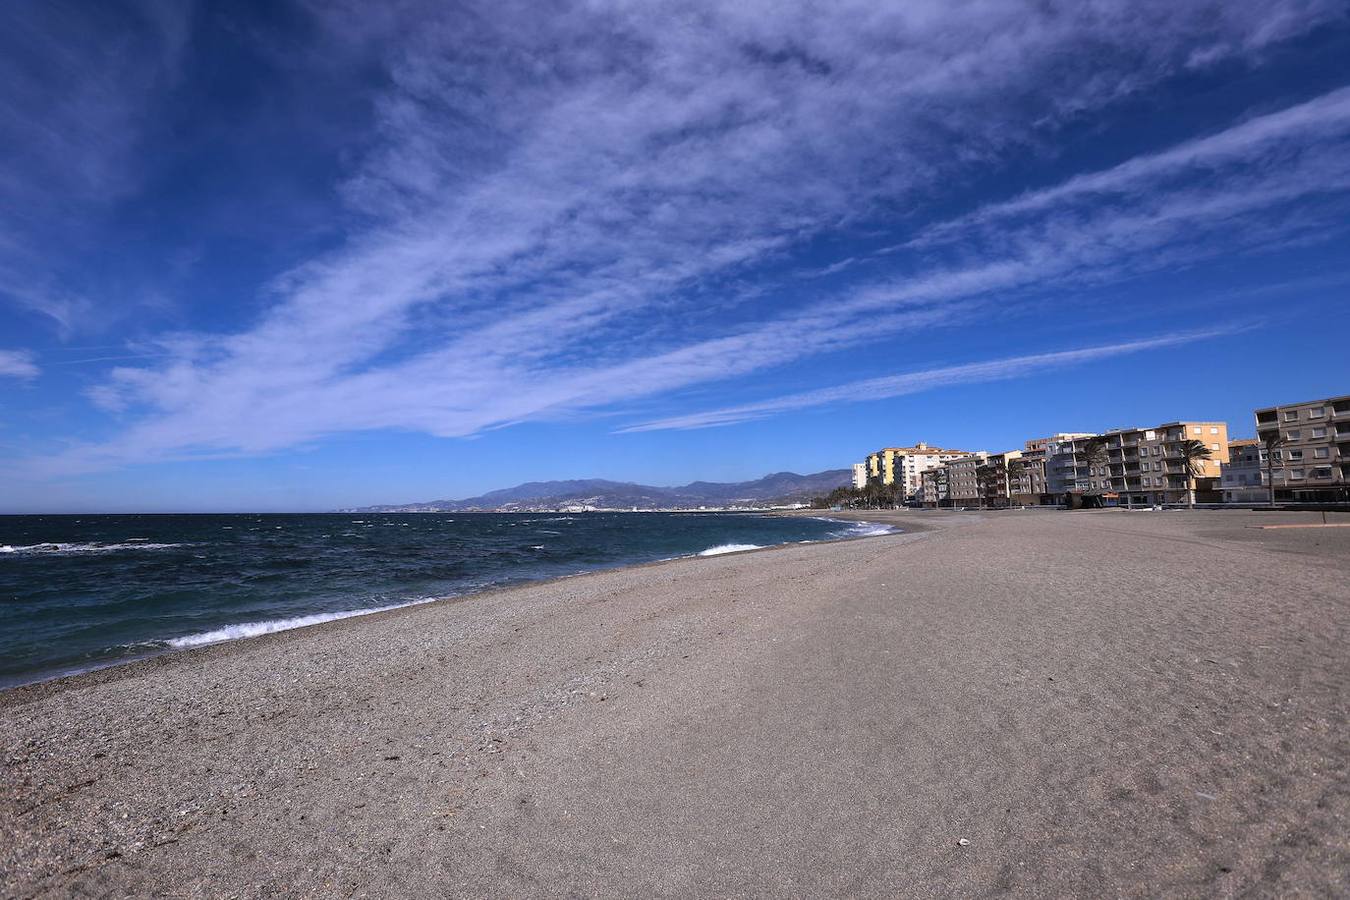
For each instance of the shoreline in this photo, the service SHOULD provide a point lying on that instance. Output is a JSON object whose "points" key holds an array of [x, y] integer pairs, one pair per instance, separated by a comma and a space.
{"points": [[1095, 703], [155, 656]]}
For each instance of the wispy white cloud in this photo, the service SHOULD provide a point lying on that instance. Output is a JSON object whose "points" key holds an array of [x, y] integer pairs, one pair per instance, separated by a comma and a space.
{"points": [[1272, 139], [871, 389], [558, 210], [17, 364]]}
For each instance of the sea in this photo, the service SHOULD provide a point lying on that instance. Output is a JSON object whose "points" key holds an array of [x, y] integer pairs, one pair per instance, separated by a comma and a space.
{"points": [[83, 592]]}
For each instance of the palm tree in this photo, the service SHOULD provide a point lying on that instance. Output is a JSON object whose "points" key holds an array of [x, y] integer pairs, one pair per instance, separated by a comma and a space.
{"points": [[1271, 442], [1193, 455], [1094, 454]]}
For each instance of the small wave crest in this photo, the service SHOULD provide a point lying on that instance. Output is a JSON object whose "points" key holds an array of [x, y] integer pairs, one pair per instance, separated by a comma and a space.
{"points": [[58, 548], [729, 548], [270, 626]]}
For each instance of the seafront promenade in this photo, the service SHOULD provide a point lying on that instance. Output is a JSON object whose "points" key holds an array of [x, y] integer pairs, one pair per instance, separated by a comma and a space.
{"points": [[1102, 703]]}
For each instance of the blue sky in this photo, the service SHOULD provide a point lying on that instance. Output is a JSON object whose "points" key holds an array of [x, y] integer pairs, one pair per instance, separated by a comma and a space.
{"points": [[293, 257]]}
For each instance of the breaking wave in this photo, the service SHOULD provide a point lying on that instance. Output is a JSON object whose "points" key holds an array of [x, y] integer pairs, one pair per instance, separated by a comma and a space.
{"points": [[729, 548], [87, 547], [270, 626]]}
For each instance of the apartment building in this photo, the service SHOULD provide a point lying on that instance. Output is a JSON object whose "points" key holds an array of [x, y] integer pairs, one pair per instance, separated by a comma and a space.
{"points": [[1143, 465], [903, 466], [933, 487], [1027, 483], [1042, 445], [1060, 463], [1313, 463], [995, 480], [963, 480], [860, 475], [1243, 478]]}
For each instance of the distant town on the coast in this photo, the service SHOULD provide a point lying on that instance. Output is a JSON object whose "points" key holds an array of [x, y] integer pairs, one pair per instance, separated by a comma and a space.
{"points": [[1301, 454]]}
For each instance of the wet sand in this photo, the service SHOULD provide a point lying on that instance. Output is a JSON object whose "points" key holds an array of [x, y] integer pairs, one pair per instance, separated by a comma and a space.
{"points": [[1100, 703]]}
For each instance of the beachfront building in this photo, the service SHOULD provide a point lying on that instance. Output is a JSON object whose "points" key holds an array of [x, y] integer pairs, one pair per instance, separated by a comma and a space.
{"points": [[1143, 466], [1060, 462], [903, 466], [859, 475], [933, 485], [1313, 463], [1043, 445], [995, 483], [963, 480], [1243, 478], [1027, 482]]}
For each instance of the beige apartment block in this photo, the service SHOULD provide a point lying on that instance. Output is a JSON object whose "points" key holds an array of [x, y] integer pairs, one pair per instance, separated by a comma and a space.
{"points": [[1144, 467], [860, 475], [903, 466], [1313, 464]]}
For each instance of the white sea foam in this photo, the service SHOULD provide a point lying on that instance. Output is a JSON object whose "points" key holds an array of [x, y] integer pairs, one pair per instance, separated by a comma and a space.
{"points": [[253, 629], [869, 529], [58, 548], [859, 529], [729, 548]]}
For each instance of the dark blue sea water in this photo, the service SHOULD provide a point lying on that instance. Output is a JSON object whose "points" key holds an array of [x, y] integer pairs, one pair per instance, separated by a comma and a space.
{"points": [[78, 592]]}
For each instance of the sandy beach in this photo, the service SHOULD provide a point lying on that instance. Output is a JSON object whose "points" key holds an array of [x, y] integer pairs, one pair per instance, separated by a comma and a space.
{"points": [[1033, 703]]}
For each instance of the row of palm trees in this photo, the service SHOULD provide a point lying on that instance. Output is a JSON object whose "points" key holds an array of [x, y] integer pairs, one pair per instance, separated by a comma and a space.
{"points": [[873, 496]]}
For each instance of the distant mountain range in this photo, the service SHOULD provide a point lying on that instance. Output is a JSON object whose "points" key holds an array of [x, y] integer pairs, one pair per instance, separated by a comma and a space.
{"points": [[780, 488]]}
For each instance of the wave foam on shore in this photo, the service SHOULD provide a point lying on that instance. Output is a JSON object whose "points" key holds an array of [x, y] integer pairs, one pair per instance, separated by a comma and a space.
{"points": [[865, 529], [729, 548], [270, 626]]}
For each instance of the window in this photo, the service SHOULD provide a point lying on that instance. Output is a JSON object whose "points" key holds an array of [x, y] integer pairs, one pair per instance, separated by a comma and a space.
{"points": [[1295, 455], [1322, 472], [1214, 447], [1293, 435], [1322, 453], [1214, 429], [1196, 429], [1319, 432], [1295, 473], [1157, 451], [1291, 416], [1149, 436], [1317, 412]]}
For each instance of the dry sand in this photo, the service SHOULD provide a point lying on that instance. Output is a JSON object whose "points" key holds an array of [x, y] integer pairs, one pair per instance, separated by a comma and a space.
{"points": [[1100, 703]]}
